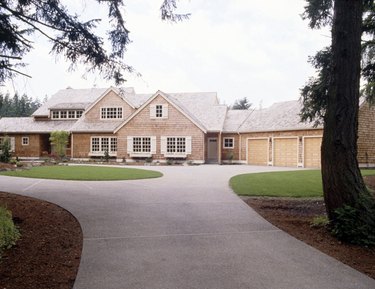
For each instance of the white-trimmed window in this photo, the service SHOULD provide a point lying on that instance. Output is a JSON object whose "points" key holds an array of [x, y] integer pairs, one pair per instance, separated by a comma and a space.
{"points": [[100, 144], [66, 114], [55, 114], [25, 140], [175, 146], [159, 111], [12, 142], [79, 113], [228, 142], [141, 146], [63, 114], [71, 114], [111, 112]]}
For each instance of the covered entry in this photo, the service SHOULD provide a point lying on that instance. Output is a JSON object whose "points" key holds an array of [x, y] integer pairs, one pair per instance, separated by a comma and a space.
{"points": [[311, 151], [285, 152], [257, 151]]}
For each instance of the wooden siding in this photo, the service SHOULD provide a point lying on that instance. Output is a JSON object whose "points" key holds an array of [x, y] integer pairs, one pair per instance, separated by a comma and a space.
{"points": [[175, 125], [366, 135], [111, 99]]}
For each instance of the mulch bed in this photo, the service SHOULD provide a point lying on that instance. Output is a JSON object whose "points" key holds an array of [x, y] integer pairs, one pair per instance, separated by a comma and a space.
{"points": [[294, 216], [48, 253]]}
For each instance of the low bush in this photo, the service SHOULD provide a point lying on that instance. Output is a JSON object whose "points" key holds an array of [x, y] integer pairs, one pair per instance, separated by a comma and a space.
{"points": [[356, 224], [9, 233]]}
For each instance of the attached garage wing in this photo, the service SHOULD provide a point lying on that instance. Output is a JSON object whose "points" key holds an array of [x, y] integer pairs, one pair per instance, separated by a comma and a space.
{"points": [[257, 151], [311, 152], [285, 152]]}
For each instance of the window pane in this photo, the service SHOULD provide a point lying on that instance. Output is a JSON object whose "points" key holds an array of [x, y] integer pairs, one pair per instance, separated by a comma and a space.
{"points": [[63, 114], [146, 144], [104, 110], [113, 144], [137, 144], [181, 146], [71, 114], [159, 110], [79, 113], [105, 144], [171, 145], [95, 144], [55, 114]]}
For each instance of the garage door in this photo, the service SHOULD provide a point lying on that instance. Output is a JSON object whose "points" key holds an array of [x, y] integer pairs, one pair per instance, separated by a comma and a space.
{"points": [[285, 152], [312, 152], [257, 152]]}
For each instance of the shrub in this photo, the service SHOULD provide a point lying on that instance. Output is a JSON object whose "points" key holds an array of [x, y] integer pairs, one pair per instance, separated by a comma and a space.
{"points": [[60, 140], [356, 225], [9, 233], [5, 148], [106, 156]]}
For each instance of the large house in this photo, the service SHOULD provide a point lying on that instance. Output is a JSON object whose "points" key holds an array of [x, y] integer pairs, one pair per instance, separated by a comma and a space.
{"points": [[192, 127]]}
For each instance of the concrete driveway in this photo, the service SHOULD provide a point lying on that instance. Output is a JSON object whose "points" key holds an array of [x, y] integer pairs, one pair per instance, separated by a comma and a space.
{"points": [[186, 230]]}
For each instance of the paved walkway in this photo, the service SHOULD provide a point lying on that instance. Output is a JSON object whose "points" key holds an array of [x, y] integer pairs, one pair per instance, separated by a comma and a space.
{"points": [[186, 230]]}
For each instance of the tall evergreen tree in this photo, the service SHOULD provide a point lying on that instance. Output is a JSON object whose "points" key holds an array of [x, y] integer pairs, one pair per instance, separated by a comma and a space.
{"points": [[17, 106], [334, 95]]}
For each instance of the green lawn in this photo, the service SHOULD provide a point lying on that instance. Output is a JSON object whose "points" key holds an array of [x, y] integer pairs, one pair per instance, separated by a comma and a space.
{"points": [[298, 184], [84, 173]]}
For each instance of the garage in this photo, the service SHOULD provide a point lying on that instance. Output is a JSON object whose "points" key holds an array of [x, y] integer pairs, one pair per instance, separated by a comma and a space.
{"points": [[311, 152], [285, 152], [257, 151]]}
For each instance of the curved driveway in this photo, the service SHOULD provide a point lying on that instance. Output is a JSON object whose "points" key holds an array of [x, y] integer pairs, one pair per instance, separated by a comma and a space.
{"points": [[186, 230]]}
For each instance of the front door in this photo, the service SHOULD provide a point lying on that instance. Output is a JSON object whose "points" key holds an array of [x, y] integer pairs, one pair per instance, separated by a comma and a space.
{"points": [[212, 150]]}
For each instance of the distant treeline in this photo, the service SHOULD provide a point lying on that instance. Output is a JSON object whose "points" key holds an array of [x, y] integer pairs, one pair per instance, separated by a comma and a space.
{"points": [[17, 105]]}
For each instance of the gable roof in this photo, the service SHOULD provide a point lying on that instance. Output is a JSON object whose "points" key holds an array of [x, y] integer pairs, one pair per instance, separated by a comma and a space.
{"points": [[121, 93], [280, 116], [174, 102]]}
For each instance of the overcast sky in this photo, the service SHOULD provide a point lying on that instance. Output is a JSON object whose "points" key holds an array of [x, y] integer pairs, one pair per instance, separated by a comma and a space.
{"points": [[238, 48]]}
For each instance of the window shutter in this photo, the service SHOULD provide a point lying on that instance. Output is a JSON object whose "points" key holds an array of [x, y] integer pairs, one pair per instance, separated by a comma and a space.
{"points": [[152, 111], [163, 144], [153, 144], [165, 110], [188, 144], [12, 144], [130, 144]]}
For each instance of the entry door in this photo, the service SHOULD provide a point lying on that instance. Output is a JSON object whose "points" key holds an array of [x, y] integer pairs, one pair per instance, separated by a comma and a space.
{"points": [[212, 150]]}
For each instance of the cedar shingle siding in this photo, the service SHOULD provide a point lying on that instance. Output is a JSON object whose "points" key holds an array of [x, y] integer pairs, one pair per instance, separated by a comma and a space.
{"points": [[185, 126]]}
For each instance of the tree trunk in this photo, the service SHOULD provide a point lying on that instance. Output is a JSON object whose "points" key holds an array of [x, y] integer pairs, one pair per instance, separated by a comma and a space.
{"points": [[342, 180]]}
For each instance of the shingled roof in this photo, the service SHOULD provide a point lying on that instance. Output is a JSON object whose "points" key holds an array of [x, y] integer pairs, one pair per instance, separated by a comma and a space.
{"points": [[280, 116], [29, 124], [203, 108]]}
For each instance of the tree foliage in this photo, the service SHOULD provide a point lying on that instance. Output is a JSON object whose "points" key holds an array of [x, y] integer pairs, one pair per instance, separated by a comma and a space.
{"points": [[17, 106], [5, 148], [315, 92], [76, 39], [242, 103], [59, 139], [333, 97]]}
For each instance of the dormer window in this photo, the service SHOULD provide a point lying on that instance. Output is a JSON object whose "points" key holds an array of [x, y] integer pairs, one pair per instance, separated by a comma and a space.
{"points": [[159, 111], [66, 114], [111, 112]]}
